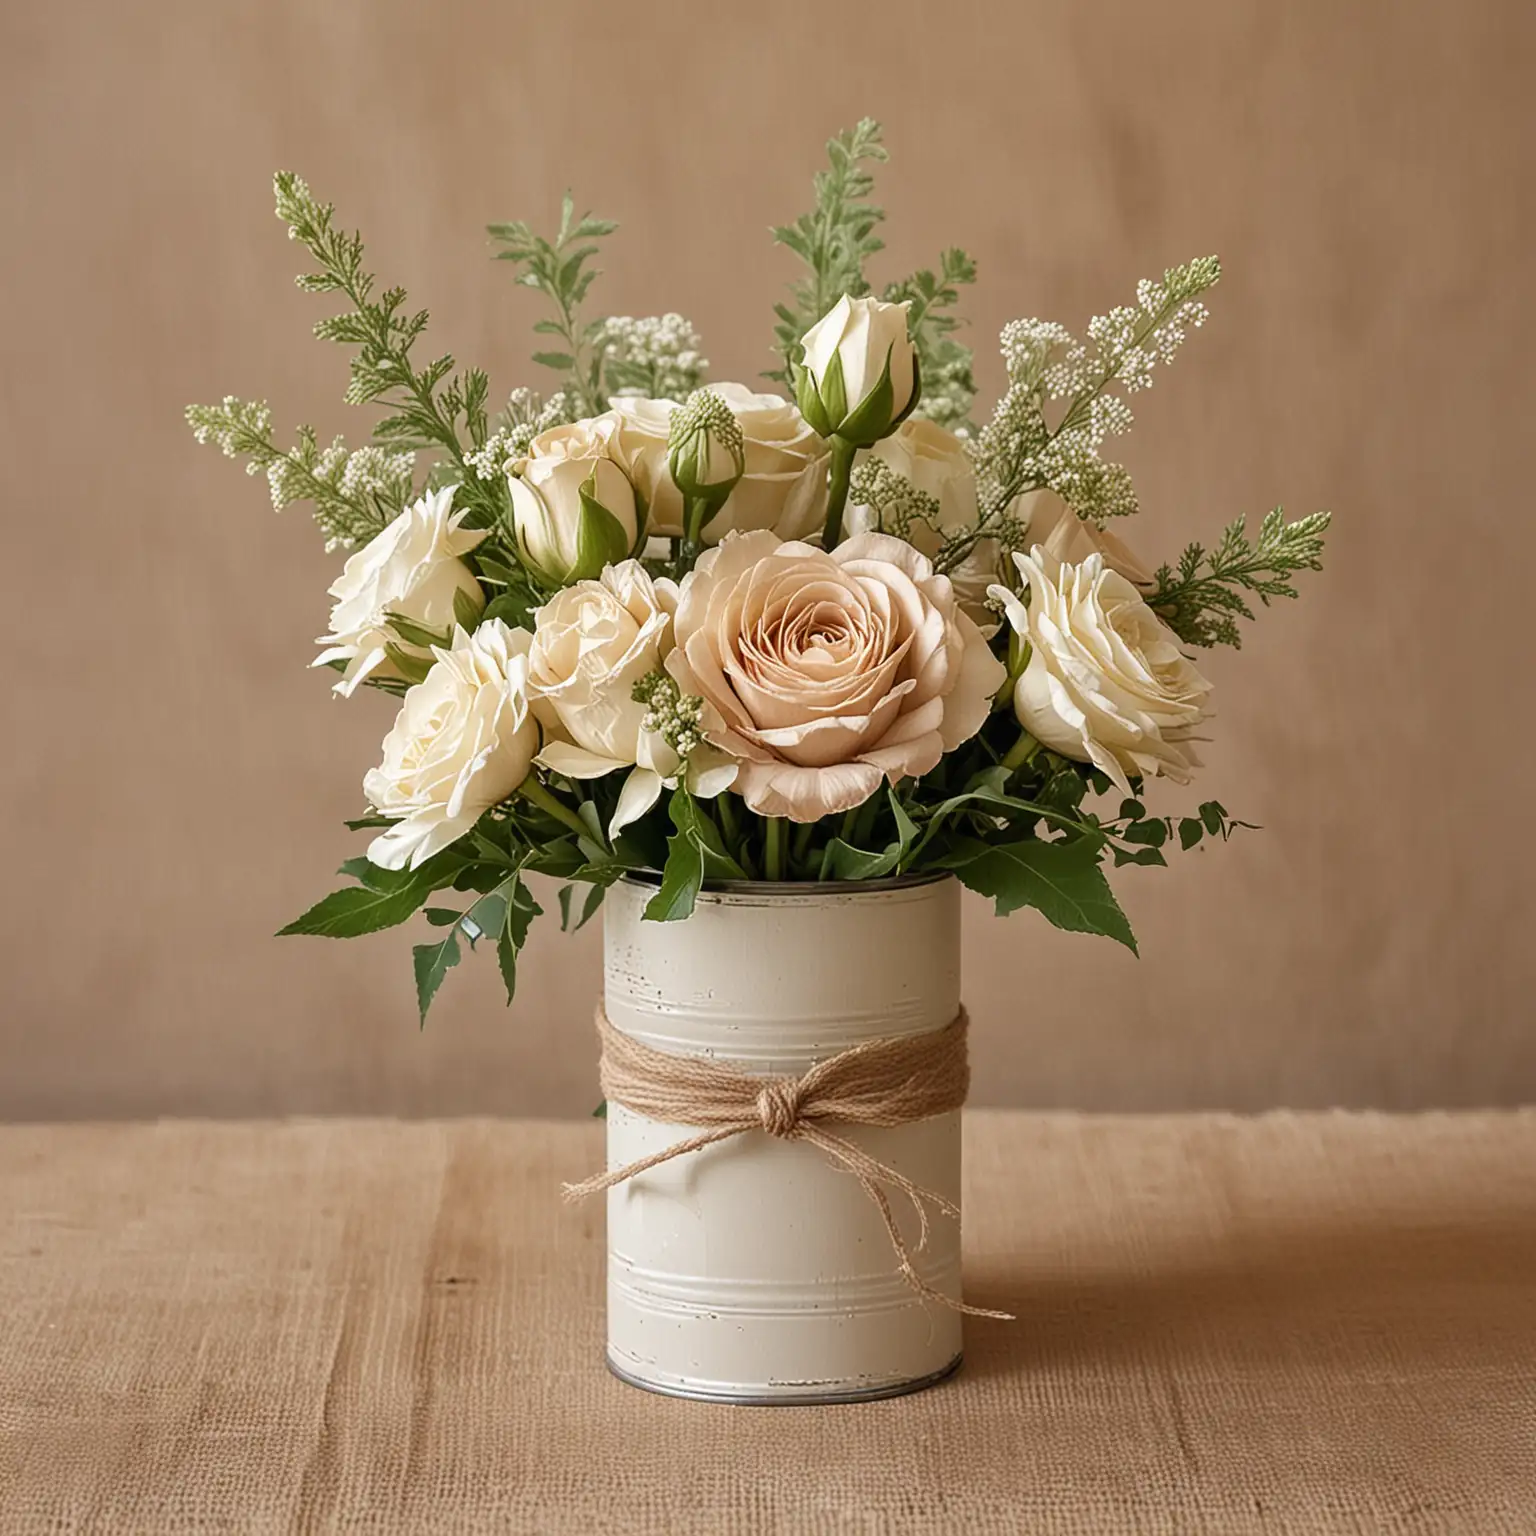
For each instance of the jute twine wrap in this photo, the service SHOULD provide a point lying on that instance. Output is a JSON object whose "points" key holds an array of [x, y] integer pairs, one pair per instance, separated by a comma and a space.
{"points": [[879, 1083]]}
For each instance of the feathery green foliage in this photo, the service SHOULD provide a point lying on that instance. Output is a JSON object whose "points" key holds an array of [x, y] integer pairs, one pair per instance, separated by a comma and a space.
{"points": [[948, 387], [559, 270], [355, 495], [424, 405], [1203, 599], [834, 239]]}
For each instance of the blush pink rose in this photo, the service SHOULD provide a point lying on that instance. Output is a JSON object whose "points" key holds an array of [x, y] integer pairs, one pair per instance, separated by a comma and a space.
{"points": [[825, 674]]}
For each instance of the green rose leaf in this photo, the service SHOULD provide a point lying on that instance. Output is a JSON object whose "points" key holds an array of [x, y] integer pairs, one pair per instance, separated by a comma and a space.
{"points": [[1063, 881]]}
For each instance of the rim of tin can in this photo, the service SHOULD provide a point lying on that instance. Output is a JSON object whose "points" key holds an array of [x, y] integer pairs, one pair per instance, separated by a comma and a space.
{"points": [[802, 888]]}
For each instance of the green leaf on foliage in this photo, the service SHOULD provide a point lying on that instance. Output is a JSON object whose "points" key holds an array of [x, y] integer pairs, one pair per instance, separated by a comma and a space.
{"points": [[601, 1112], [466, 611], [1139, 856], [1190, 832], [694, 853], [1063, 881], [1153, 833], [418, 634], [389, 898], [842, 861], [514, 609], [432, 962], [589, 906], [413, 669], [441, 917], [1214, 817]]}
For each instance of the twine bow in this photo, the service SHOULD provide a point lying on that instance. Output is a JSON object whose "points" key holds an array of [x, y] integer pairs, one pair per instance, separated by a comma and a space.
{"points": [[878, 1083]]}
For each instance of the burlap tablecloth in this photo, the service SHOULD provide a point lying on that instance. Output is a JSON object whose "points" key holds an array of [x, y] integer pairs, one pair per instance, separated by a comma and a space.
{"points": [[1294, 1323]]}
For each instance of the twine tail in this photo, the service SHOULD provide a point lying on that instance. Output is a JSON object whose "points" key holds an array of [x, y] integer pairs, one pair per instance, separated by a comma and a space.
{"points": [[601, 1181], [869, 1171]]}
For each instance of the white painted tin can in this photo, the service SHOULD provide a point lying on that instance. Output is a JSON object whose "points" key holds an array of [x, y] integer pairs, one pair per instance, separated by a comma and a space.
{"points": [[755, 1270]]}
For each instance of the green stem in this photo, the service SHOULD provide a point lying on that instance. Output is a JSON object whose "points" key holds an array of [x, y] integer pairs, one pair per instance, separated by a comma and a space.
{"points": [[1021, 752], [773, 848], [728, 825], [1018, 658], [695, 515], [802, 843], [536, 794], [837, 494]]}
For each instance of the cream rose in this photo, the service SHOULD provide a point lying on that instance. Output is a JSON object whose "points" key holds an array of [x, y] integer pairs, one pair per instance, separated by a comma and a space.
{"points": [[1106, 682], [463, 741], [414, 569], [935, 461], [592, 643], [783, 486], [572, 504], [824, 674], [859, 370], [1052, 524]]}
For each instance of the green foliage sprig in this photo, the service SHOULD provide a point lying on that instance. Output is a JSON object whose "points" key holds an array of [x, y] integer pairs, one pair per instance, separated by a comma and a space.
{"points": [[354, 495], [1202, 600], [424, 405], [1022, 450], [560, 270], [948, 386], [834, 239]]}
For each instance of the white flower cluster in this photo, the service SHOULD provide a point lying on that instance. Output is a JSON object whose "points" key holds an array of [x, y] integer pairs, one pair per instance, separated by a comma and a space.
{"points": [[527, 414], [673, 715], [1018, 450], [369, 478], [896, 502], [354, 494], [232, 425], [656, 356]]}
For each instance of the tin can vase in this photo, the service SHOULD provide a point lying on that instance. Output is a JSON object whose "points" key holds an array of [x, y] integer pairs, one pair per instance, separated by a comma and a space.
{"points": [[756, 1270]]}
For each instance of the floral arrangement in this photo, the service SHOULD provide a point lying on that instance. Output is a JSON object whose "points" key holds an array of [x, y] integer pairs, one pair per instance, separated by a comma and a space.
{"points": [[832, 631]]}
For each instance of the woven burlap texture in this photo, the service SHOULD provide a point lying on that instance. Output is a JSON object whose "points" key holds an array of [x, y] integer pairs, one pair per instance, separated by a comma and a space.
{"points": [[1294, 1323]]}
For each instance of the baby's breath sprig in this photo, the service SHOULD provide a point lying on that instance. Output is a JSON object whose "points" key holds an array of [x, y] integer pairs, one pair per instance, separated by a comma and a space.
{"points": [[896, 502], [1019, 450], [526, 415], [425, 405], [674, 715], [355, 495], [658, 356]]}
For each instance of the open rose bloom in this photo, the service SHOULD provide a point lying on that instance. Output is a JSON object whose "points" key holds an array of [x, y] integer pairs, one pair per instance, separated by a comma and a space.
{"points": [[828, 674], [852, 626]]}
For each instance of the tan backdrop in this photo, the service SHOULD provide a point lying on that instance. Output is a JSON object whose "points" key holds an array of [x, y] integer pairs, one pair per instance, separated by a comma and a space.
{"points": [[174, 779]]}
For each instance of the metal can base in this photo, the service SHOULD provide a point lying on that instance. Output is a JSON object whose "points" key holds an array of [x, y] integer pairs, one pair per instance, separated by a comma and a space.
{"points": [[789, 1399]]}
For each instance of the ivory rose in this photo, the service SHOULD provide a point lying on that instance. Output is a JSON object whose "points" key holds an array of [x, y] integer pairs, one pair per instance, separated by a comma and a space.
{"points": [[935, 461], [1051, 523], [572, 505], [784, 481], [464, 739], [592, 643], [412, 568], [859, 371], [1106, 682], [824, 674]]}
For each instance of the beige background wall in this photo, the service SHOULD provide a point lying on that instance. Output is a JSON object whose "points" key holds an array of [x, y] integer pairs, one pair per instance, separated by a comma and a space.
{"points": [[173, 779]]}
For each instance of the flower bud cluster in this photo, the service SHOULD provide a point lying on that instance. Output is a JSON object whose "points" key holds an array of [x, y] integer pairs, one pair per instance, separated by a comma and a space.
{"points": [[673, 715]]}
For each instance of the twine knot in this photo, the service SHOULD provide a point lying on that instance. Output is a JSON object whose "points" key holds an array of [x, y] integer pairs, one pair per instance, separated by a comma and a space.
{"points": [[778, 1106], [879, 1083]]}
